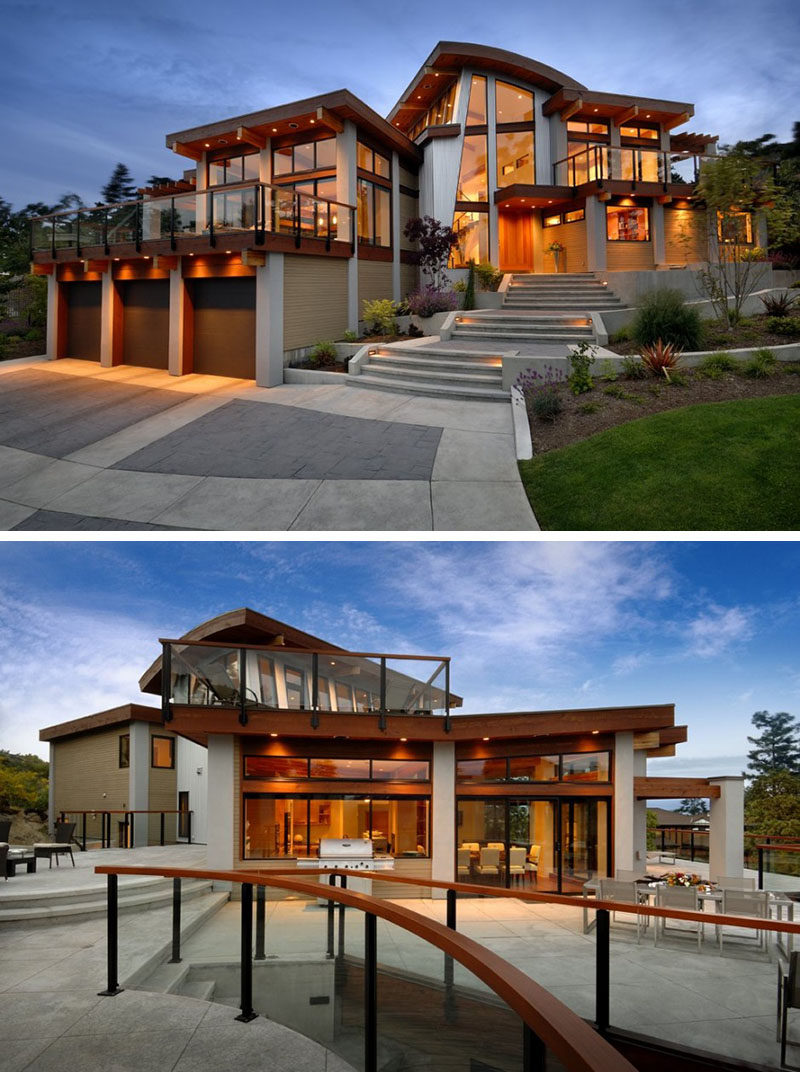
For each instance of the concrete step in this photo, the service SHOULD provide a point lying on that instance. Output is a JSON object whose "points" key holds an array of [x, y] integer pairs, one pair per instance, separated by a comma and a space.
{"points": [[470, 359], [198, 988], [564, 305], [411, 385], [434, 375], [550, 277], [521, 336], [136, 897], [562, 320], [491, 329], [435, 365]]}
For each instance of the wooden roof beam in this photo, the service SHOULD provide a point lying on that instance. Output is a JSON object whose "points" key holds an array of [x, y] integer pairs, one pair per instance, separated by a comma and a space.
{"points": [[626, 116], [674, 788], [676, 121], [331, 121], [250, 137], [571, 109], [186, 150]]}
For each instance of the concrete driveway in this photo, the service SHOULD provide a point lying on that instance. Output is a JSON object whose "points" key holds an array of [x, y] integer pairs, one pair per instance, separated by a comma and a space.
{"points": [[82, 447]]}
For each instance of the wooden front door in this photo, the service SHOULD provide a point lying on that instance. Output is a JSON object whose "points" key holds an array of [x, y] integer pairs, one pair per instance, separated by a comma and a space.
{"points": [[515, 233]]}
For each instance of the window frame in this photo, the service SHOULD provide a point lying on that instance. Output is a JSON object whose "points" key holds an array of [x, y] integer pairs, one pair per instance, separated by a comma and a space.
{"points": [[124, 761], [629, 208], [287, 176], [162, 766]]}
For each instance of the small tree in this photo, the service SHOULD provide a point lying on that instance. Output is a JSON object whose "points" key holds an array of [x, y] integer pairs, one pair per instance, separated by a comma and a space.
{"points": [[777, 747], [435, 240], [734, 188], [694, 806], [469, 293], [120, 187]]}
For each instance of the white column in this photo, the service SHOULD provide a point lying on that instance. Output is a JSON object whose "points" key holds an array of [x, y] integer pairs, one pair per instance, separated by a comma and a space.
{"points": [[53, 292], [595, 235], [220, 802], [443, 821], [726, 830], [269, 321], [346, 192], [179, 310], [491, 172], [139, 780], [107, 297], [639, 814], [396, 235], [51, 789], [657, 233], [624, 767]]}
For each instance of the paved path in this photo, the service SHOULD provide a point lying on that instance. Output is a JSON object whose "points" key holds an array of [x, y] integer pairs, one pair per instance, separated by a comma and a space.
{"points": [[82, 447]]}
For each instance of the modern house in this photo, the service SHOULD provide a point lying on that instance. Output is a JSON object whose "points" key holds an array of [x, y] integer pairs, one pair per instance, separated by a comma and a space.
{"points": [[292, 216], [292, 739]]}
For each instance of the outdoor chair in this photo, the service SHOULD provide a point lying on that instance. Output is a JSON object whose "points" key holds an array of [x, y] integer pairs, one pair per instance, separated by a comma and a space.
{"points": [[611, 889], [5, 830], [788, 998], [3, 859], [516, 862], [489, 862], [532, 865], [733, 882], [750, 903], [686, 898], [63, 843], [463, 863]]}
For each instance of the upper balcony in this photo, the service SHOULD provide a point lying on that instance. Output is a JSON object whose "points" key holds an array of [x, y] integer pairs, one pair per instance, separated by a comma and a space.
{"points": [[636, 167], [239, 216], [248, 678]]}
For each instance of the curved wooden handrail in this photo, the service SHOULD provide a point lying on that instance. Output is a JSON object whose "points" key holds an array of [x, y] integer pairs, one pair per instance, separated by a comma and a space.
{"points": [[122, 811], [569, 1037], [784, 926]]}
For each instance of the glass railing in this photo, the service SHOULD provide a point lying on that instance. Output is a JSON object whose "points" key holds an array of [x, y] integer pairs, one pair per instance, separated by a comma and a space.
{"points": [[257, 209], [598, 163], [214, 675]]}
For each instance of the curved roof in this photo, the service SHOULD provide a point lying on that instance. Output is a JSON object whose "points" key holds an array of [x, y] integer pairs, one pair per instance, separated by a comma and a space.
{"points": [[242, 626], [448, 58]]}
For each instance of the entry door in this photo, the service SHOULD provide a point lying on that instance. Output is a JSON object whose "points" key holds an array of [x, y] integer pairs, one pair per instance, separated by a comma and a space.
{"points": [[584, 842], [515, 235], [183, 814], [534, 824]]}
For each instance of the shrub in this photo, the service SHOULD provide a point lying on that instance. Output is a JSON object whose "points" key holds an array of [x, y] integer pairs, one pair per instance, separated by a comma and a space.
{"points": [[793, 367], [661, 357], [783, 325], [324, 353], [460, 286], [678, 379], [380, 316], [350, 336], [632, 368], [762, 364], [581, 360], [488, 276], [663, 314], [429, 300], [779, 304], [586, 408], [615, 391], [623, 335], [608, 372], [542, 391], [714, 366], [469, 289]]}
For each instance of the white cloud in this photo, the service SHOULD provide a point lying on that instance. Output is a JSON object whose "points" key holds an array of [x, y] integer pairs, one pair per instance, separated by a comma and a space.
{"points": [[717, 629]]}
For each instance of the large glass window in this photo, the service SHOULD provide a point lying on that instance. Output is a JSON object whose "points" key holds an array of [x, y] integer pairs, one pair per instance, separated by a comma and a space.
{"points": [[370, 160], [481, 770], [241, 168], [162, 752], [307, 156], [476, 107], [586, 767], [472, 229], [533, 769], [514, 105], [400, 770], [354, 769], [269, 767], [515, 157], [374, 213], [125, 750], [295, 687], [440, 112], [472, 178], [627, 224], [584, 126], [266, 677], [735, 228]]}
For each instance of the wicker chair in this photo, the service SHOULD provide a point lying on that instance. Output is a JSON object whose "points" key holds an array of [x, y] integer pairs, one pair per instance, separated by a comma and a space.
{"points": [[62, 843]]}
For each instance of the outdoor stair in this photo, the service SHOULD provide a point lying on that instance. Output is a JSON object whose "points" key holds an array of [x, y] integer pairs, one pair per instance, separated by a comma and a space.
{"points": [[135, 895], [437, 372], [578, 293], [523, 326]]}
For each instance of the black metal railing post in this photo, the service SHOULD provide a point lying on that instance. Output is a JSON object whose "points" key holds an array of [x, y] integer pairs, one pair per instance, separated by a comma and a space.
{"points": [[451, 909], [176, 921], [447, 696], [166, 682], [131, 838], [83, 838], [296, 221], [242, 687], [162, 828], [188, 828], [382, 715], [261, 922], [328, 238], [172, 243], [112, 951], [314, 691], [448, 960], [534, 1051], [138, 226], [691, 845], [760, 867], [331, 909], [246, 968], [370, 993], [343, 884], [602, 970], [212, 238]]}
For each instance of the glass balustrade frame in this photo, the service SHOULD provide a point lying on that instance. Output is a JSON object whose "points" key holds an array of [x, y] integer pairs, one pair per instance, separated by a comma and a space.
{"points": [[615, 163]]}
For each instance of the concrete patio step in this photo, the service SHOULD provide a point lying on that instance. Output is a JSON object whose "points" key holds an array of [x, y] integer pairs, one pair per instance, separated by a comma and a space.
{"points": [[418, 386], [138, 895]]}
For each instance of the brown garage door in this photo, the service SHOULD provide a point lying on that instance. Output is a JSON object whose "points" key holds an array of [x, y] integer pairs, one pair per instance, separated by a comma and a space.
{"points": [[83, 320], [225, 327], [145, 336]]}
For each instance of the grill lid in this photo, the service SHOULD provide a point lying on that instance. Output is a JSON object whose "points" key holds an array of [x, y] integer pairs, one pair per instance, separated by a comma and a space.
{"points": [[351, 848]]}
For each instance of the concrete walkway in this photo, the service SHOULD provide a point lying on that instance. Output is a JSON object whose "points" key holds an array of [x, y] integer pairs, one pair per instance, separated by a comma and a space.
{"points": [[82, 447]]}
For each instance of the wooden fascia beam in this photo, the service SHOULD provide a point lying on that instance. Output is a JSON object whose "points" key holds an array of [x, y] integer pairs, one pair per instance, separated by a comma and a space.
{"points": [[42, 269], [646, 740], [250, 137], [331, 121], [95, 266], [252, 258], [677, 121], [571, 109], [604, 195], [186, 150], [673, 788], [626, 116], [664, 199], [160, 261], [438, 72], [664, 750]]}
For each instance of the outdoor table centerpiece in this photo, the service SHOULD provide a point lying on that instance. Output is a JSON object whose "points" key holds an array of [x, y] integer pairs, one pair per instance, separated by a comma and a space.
{"points": [[685, 878]]}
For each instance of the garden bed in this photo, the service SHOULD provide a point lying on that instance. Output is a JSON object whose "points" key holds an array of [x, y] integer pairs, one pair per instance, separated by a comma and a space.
{"points": [[618, 401], [751, 331]]}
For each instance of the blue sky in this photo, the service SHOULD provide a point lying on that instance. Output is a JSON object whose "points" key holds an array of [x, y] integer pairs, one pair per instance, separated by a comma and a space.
{"points": [[712, 627], [85, 83]]}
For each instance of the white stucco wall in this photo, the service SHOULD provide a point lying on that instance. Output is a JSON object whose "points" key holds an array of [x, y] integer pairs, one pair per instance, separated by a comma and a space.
{"points": [[191, 764]]}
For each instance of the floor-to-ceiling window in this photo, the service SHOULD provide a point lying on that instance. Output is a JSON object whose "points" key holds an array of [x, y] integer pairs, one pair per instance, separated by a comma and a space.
{"points": [[471, 216]]}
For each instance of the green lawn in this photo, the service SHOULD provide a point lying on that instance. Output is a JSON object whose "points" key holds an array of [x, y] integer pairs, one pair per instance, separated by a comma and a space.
{"points": [[727, 465]]}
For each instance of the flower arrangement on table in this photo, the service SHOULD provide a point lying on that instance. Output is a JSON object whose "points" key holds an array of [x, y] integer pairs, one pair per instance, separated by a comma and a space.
{"points": [[555, 247], [684, 878]]}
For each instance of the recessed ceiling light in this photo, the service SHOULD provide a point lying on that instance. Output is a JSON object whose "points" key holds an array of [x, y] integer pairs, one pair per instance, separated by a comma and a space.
{"points": [[428, 85], [293, 126], [404, 738], [208, 145], [595, 732], [274, 130], [273, 735], [313, 121], [486, 738]]}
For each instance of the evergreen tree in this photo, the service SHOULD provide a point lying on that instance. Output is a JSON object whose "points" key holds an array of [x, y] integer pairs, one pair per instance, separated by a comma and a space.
{"points": [[120, 187], [777, 748], [694, 806]]}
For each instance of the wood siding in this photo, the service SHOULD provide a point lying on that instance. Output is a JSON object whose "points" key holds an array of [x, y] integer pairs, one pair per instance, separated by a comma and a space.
{"points": [[86, 767], [409, 208], [409, 279], [225, 327], [83, 320], [374, 281], [163, 794], [145, 336], [572, 237], [684, 235], [314, 300], [629, 256]]}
